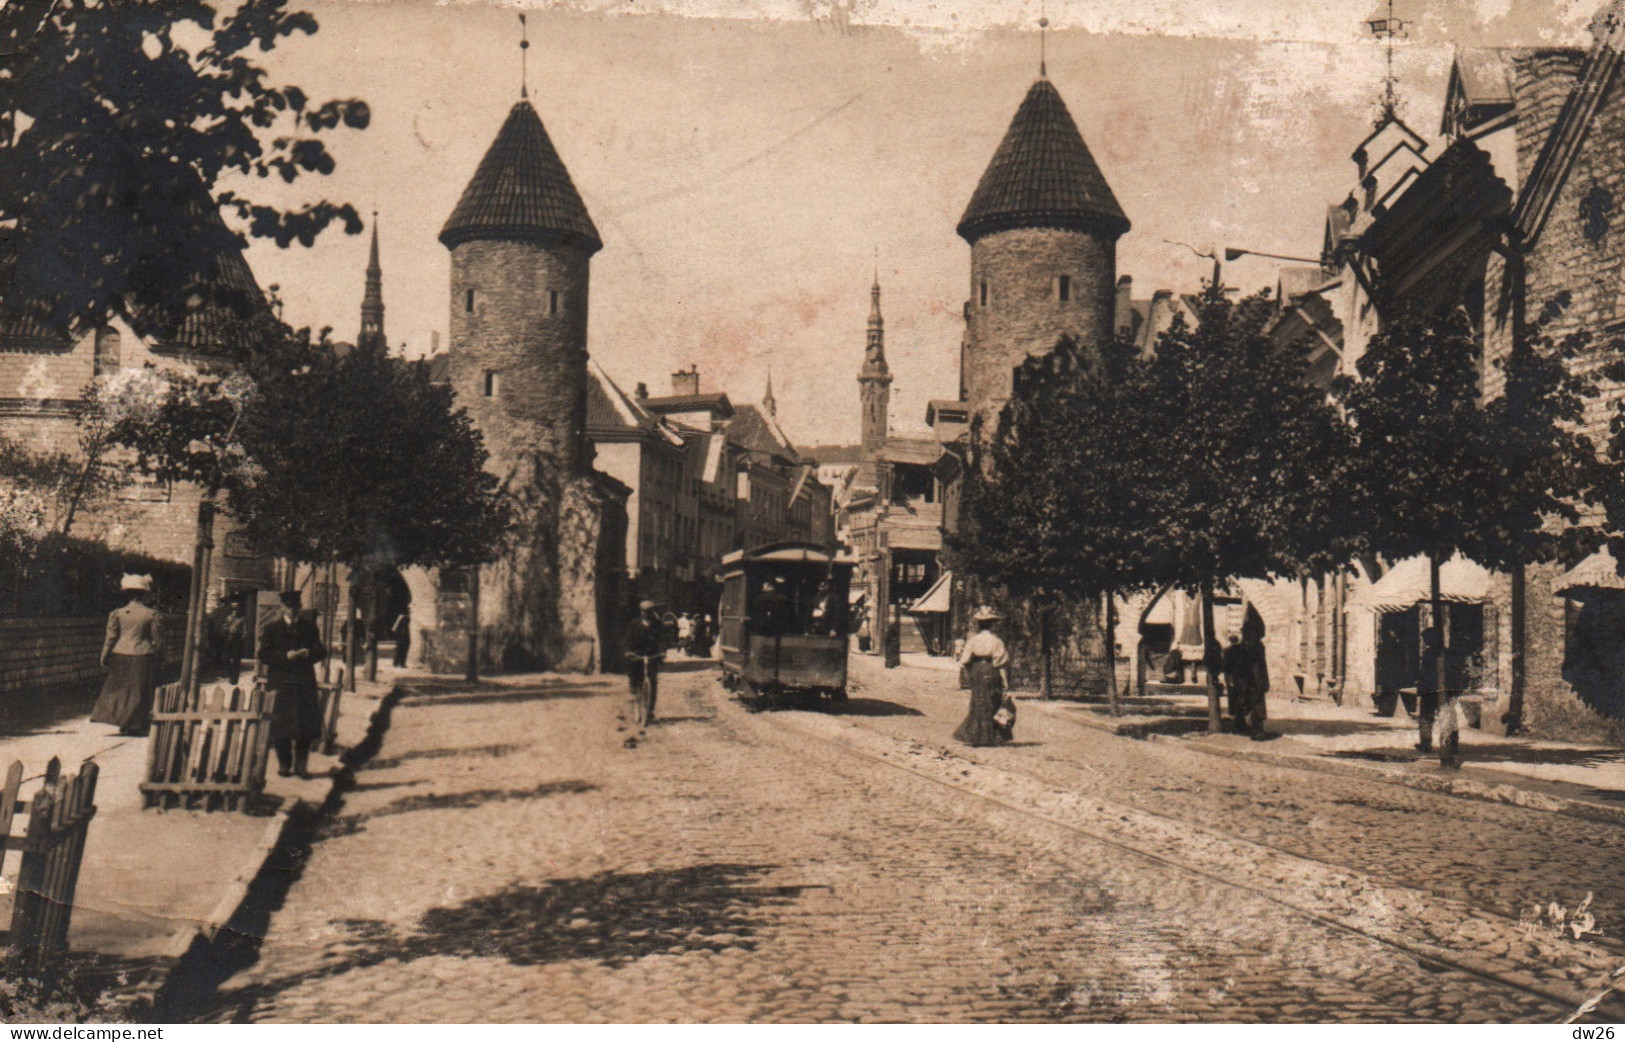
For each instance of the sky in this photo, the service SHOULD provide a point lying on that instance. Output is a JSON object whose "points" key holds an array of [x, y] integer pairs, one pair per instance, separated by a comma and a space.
{"points": [[752, 164]]}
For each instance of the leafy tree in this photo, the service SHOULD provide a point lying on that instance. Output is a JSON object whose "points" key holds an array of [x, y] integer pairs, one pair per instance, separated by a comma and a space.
{"points": [[1546, 471], [360, 460], [122, 124], [1244, 468], [1424, 478], [1056, 515]]}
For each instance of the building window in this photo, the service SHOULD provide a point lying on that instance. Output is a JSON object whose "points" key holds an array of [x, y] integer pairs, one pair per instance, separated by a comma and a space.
{"points": [[468, 301], [493, 383], [1063, 288], [981, 297], [553, 302]]}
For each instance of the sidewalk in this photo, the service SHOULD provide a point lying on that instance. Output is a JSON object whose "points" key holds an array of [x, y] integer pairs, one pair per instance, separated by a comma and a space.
{"points": [[1567, 777], [152, 881]]}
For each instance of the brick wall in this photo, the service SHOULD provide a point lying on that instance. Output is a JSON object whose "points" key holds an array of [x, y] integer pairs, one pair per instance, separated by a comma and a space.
{"points": [[1592, 270], [51, 656]]}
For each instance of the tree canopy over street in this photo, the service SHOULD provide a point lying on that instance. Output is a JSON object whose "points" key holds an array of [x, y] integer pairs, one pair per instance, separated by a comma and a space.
{"points": [[118, 122]]}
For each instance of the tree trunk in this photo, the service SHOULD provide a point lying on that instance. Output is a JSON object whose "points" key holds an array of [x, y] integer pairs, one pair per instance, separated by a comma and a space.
{"points": [[1436, 595], [1210, 662], [1044, 619], [1111, 654], [1513, 717], [329, 620], [202, 551]]}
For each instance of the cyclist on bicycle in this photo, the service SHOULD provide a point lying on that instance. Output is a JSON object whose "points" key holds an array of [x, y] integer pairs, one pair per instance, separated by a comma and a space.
{"points": [[645, 644]]}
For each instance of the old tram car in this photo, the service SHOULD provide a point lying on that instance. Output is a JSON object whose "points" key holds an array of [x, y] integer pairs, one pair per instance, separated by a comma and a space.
{"points": [[784, 621]]}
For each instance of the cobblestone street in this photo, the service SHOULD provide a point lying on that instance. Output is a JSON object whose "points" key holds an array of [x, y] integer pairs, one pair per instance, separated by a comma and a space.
{"points": [[506, 857]]}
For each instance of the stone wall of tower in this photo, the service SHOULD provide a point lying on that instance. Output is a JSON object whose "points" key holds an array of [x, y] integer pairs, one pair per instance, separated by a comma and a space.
{"points": [[527, 325], [539, 355], [1022, 314]]}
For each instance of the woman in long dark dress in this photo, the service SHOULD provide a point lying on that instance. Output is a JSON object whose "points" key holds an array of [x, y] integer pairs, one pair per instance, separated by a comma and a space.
{"points": [[984, 658], [130, 656]]}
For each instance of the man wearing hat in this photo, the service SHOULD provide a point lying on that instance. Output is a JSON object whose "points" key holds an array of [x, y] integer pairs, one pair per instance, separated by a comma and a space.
{"points": [[130, 656], [289, 648], [644, 646]]}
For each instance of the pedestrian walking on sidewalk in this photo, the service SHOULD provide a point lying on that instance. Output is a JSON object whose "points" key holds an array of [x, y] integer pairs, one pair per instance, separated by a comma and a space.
{"points": [[1257, 670], [402, 631], [1233, 665], [289, 648], [130, 657], [985, 659]]}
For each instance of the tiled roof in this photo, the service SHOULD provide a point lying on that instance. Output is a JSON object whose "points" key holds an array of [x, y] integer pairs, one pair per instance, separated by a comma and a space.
{"points": [[751, 430], [610, 411], [910, 450], [227, 289], [1042, 176], [714, 402], [439, 369], [521, 190]]}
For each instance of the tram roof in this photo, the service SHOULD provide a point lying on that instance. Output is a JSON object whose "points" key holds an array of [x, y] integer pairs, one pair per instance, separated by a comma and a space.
{"points": [[809, 553]]}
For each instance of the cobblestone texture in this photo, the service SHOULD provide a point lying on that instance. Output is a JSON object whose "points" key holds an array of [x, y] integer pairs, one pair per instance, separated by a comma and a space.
{"points": [[506, 858]]}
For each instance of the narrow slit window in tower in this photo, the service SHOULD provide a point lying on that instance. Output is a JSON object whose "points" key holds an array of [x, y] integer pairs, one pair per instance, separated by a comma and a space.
{"points": [[1063, 288], [468, 302], [493, 381], [553, 302], [982, 294]]}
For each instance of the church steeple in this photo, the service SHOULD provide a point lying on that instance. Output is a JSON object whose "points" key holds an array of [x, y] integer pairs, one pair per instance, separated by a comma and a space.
{"points": [[874, 379], [768, 401], [372, 301]]}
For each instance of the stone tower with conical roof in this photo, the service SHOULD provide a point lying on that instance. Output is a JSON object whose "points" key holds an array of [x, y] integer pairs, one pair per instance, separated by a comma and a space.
{"points": [[372, 300], [521, 245], [1043, 227], [874, 379]]}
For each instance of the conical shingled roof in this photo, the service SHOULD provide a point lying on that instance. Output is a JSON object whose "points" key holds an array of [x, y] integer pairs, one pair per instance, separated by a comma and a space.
{"points": [[1042, 176], [521, 190]]}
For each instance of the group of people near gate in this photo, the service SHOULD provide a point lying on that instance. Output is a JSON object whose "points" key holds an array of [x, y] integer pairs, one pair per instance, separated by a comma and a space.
{"points": [[984, 670], [290, 647]]}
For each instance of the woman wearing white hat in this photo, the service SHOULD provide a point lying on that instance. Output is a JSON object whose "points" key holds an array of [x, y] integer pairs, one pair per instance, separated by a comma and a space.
{"points": [[130, 656], [985, 658]]}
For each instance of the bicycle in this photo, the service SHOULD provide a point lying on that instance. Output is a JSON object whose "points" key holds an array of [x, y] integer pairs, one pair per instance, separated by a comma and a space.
{"points": [[643, 689]]}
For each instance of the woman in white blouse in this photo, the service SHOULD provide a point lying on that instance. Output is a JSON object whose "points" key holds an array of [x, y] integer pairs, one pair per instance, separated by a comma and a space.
{"points": [[984, 657]]}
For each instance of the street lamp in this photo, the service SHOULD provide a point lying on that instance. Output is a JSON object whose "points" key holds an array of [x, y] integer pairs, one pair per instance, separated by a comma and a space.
{"points": [[1232, 253]]}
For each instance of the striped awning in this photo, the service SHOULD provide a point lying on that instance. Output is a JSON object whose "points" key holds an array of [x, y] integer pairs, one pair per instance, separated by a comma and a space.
{"points": [[937, 599], [1598, 572], [1408, 583]]}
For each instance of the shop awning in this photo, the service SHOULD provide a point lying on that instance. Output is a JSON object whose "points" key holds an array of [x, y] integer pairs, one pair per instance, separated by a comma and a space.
{"points": [[936, 599], [1407, 583], [1598, 572]]}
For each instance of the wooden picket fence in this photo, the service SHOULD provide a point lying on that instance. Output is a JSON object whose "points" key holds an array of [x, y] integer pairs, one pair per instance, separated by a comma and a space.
{"points": [[52, 847], [208, 750]]}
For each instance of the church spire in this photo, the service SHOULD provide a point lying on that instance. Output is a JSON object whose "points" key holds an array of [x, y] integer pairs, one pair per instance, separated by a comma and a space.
{"points": [[874, 379], [768, 401], [372, 300]]}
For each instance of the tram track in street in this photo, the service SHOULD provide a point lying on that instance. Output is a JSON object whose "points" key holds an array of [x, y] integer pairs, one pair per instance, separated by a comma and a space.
{"points": [[1562, 1002]]}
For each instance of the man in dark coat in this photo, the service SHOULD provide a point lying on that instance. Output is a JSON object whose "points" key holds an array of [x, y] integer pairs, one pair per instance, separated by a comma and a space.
{"points": [[1237, 681], [645, 643], [290, 646]]}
